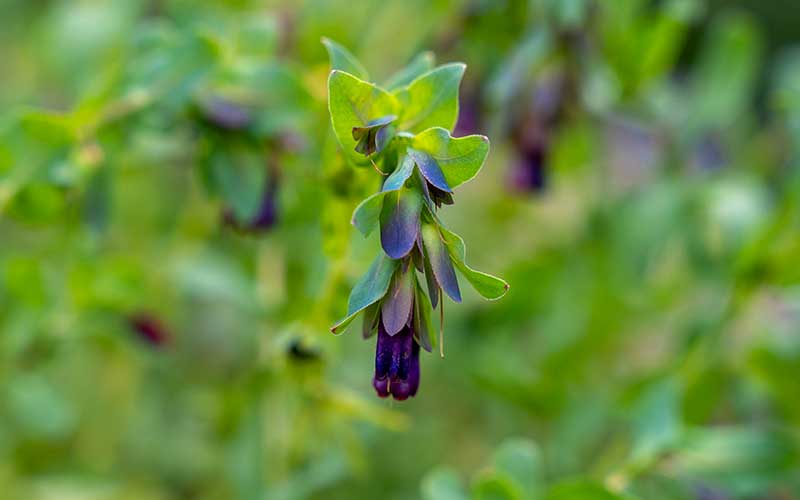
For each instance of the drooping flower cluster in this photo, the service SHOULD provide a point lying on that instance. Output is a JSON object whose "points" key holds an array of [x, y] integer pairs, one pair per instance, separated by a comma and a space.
{"points": [[404, 130]]}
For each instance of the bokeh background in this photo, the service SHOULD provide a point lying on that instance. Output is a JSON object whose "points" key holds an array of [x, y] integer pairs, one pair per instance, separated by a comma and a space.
{"points": [[175, 243]]}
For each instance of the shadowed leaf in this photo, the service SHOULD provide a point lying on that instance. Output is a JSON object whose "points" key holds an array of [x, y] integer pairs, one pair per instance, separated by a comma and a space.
{"points": [[369, 289], [423, 322], [436, 253]]}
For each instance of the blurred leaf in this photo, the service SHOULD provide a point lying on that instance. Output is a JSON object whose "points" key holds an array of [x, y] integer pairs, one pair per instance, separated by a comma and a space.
{"points": [[442, 484], [421, 64], [520, 460], [582, 490], [342, 59]]}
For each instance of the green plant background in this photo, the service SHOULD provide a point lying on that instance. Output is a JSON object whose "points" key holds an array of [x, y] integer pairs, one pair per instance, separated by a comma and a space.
{"points": [[649, 346]]}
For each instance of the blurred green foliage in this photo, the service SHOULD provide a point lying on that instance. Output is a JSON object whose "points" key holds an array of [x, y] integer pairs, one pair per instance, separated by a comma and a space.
{"points": [[159, 340]]}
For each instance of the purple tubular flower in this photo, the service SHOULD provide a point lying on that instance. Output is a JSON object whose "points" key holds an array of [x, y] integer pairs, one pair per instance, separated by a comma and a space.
{"points": [[528, 173], [396, 364]]}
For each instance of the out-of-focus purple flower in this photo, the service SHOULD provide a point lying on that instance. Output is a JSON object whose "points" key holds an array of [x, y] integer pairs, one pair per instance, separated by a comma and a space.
{"points": [[708, 493], [225, 114], [709, 153], [265, 217], [149, 329], [532, 129], [528, 173], [468, 116], [396, 364]]}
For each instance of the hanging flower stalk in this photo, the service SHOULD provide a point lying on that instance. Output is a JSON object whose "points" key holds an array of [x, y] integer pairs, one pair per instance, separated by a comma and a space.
{"points": [[403, 129]]}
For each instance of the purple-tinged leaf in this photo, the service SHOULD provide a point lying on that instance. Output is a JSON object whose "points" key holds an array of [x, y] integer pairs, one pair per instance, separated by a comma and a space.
{"points": [[397, 304], [490, 287], [400, 175], [429, 169], [367, 213], [370, 289], [436, 253], [400, 222], [430, 279]]}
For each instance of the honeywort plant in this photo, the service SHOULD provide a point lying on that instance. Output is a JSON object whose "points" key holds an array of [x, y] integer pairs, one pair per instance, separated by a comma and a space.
{"points": [[403, 129]]}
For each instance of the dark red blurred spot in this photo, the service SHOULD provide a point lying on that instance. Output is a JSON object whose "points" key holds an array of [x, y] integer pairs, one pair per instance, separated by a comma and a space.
{"points": [[150, 330]]}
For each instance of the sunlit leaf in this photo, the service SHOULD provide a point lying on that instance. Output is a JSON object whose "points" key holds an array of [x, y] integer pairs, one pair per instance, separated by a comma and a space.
{"points": [[354, 103], [431, 100], [422, 63]]}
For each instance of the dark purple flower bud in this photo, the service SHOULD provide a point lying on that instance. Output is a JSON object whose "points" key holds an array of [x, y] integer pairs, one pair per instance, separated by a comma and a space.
{"points": [[374, 136], [265, 217], [149, 329], [396, 364], [225, 114]]}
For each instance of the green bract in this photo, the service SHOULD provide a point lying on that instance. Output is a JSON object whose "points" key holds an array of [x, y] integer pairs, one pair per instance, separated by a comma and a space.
{"points": [[406, 134]]}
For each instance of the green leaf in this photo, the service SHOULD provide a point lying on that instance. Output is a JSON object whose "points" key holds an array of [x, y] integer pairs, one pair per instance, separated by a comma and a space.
{"points": [[354, 103], [493, 486], [369, 289], [459, 158], [431, 100], [239, 176], [367, 213], [342, 59], [442, 484], [521, 460], [422, 63], [490, 287], [370, 325], [581, 489]]}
